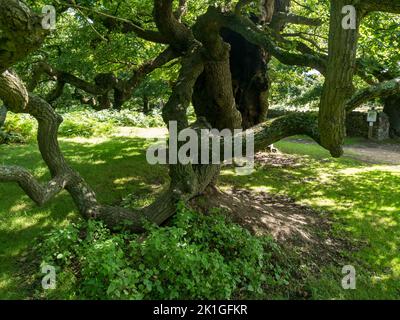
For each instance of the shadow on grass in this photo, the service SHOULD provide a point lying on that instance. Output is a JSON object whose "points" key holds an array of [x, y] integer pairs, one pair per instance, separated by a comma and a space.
{"points": [[114, 167], [362, 200]]}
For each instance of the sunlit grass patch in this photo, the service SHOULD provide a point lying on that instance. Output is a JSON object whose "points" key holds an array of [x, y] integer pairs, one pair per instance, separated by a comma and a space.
{"points": [[363, 200], [113, 180]]}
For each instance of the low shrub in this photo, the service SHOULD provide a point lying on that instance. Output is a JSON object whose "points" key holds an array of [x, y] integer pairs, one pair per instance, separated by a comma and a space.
{"points": [[20, 128], [122, 118], [78, 122], [83, 125], [195, 257], [129, 118]]}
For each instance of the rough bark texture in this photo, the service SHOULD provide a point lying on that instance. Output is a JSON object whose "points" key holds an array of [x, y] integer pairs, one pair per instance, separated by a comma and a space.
{"points": [[13, 92], [16, 22], [338, 85], [392, 109], [388, 90], [3, 115], [248, 64], [214, 97]]}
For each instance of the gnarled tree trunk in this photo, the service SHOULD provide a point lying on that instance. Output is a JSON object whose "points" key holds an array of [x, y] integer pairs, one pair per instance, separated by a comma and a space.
{"points": [[248, 64], [3, 115], [392, 109]]}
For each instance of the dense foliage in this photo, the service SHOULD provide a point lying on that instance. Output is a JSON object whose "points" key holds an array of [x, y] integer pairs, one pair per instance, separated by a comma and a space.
{"points": [[195, 257], [81, 122]]}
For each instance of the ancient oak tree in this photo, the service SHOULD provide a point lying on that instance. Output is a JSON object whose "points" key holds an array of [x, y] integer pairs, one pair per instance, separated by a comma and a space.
{"points": [[224, 56]]}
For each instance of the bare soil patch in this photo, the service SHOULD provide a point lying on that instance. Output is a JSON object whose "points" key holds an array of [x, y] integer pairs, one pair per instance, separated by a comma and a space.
{"points": [[300, 228]]}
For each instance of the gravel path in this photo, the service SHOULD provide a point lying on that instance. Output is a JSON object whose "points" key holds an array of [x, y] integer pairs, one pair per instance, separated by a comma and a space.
{"points": [[375, 153], [368, 151]]}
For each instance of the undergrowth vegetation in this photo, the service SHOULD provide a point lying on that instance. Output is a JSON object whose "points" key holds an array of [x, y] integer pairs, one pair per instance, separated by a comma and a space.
{"points": [[195, 257], [81, 122]]}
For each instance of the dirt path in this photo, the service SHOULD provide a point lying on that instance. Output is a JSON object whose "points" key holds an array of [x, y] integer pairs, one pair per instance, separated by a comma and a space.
{"points": [[375, 153], [370, 152]]}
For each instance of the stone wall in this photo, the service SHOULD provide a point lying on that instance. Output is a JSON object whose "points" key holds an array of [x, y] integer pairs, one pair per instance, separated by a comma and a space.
{"points": [[357, 125]]}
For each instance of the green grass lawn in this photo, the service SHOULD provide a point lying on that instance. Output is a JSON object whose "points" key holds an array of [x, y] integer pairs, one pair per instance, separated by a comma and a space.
{"points": [[115, 167], [363, 200]]}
